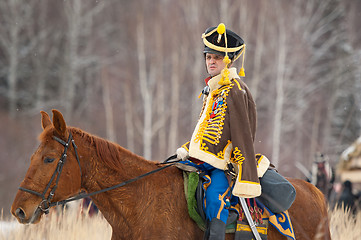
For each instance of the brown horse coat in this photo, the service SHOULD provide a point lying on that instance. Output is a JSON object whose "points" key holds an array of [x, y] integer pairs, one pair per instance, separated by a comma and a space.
{"points": [[153, 207]]}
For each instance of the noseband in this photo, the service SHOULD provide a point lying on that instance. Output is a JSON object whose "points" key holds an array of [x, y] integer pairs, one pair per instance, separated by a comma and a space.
{"points": [[45, 204]]}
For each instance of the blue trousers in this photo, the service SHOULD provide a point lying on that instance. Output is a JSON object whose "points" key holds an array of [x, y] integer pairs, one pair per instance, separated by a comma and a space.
{"points": [[216, 189]]}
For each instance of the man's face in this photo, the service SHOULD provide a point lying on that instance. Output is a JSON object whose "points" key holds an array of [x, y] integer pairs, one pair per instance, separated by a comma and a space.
{"points": [[214, 63]]}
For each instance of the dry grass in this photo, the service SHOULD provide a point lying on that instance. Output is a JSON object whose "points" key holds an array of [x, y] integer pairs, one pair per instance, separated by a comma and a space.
{"points": [[71, 225], [344, 225]]}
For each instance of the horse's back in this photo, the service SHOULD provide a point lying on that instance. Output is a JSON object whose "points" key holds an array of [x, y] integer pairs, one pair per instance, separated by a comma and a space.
{"points": [[309, 212]]}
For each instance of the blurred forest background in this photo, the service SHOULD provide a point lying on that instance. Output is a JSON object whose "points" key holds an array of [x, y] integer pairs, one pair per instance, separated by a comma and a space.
{"points": [[131, 72]]}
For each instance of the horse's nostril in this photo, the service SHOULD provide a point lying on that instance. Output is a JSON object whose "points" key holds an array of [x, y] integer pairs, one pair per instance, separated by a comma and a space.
{"points": [[20, 213]]}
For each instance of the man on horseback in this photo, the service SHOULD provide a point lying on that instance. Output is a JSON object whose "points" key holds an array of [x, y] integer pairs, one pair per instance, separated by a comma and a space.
{"points": [[322, 174], [225, 132]]}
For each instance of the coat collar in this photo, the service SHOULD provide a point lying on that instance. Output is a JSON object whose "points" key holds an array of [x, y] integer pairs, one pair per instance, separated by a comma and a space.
{"points": [[213, 82]]}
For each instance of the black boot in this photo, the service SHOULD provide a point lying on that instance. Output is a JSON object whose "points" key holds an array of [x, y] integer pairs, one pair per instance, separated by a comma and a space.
{"points": [[206, 232], [217, 229]]}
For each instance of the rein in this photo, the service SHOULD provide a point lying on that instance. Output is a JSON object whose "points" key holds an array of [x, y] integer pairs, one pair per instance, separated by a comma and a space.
{"points": [[84, 195], [46, 203]]}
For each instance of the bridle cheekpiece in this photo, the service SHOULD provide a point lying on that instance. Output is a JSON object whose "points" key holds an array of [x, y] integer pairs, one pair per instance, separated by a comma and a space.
{"points": [[46, 203]]}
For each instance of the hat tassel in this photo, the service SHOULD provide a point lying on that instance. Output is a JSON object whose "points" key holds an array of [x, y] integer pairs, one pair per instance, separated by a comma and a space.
{"points": [[225, 72], [241, 71]]}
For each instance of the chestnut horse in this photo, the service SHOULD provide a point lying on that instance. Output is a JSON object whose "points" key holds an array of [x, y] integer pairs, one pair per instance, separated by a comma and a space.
{"points": [[153, 207]]}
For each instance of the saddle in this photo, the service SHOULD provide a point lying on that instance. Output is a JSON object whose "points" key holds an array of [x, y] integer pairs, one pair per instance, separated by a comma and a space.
{"points": [[236, 222], [194, 195]]}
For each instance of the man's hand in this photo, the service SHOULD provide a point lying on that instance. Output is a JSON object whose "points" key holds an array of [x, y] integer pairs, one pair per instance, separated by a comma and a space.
{"points": [[182, 154]]}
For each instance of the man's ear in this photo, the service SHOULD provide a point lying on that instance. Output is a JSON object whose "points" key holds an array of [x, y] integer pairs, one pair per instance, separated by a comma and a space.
{"points": [[59, 123], [45, 119]]}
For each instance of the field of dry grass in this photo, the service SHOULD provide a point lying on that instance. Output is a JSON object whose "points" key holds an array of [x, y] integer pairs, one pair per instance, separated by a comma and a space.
{"points": [[345, 226], [69, 226], [74, 226]]}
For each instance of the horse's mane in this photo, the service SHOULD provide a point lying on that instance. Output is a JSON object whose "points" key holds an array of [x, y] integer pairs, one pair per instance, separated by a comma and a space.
{"points": [[109, 153]]}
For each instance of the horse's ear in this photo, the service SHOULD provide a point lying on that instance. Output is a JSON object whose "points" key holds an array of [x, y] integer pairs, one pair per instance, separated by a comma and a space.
{"points": [[45, 119], [59, 122]]}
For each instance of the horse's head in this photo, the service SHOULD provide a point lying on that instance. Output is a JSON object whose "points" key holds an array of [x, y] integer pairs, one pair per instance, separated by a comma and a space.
{"points": [[53, 174]]}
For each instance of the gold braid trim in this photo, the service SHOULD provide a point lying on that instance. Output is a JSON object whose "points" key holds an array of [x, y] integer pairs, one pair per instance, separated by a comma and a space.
{"points": [[210, 130], [238, 156]]}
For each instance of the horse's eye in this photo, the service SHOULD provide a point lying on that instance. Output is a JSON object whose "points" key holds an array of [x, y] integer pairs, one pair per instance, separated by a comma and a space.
{"points": [[49, 160]]}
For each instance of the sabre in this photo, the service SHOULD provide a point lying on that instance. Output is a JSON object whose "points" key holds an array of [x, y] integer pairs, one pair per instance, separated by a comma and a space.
{"points": [[249, 219]]}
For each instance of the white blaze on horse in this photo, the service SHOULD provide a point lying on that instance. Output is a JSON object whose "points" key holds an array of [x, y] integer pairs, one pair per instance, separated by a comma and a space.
{"points": [[70, 160]]}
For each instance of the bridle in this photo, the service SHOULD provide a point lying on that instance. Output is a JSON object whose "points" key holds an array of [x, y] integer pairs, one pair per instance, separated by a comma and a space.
{"points": [[46, 203]]}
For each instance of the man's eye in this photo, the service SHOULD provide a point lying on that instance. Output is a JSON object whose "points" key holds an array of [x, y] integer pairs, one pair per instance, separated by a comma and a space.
{"points": [[48, 160]]}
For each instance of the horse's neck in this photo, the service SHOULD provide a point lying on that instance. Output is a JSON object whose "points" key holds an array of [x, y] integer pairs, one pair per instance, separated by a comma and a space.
{"points": [[98, 174], [108, 167]]}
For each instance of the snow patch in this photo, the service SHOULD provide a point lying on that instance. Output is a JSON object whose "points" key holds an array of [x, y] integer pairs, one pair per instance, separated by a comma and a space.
{"points": [[7, 227]]}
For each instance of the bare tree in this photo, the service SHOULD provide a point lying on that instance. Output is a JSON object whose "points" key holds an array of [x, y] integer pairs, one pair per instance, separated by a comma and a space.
{"points": [[129, 115], [145, 89], [80, 18], [15, 16], [280, 79], [175, 98], [108, 108], [192, 11], [256, 75]]}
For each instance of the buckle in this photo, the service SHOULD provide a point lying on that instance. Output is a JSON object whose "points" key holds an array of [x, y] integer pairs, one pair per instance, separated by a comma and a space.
{"points": [[44, 206]]}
